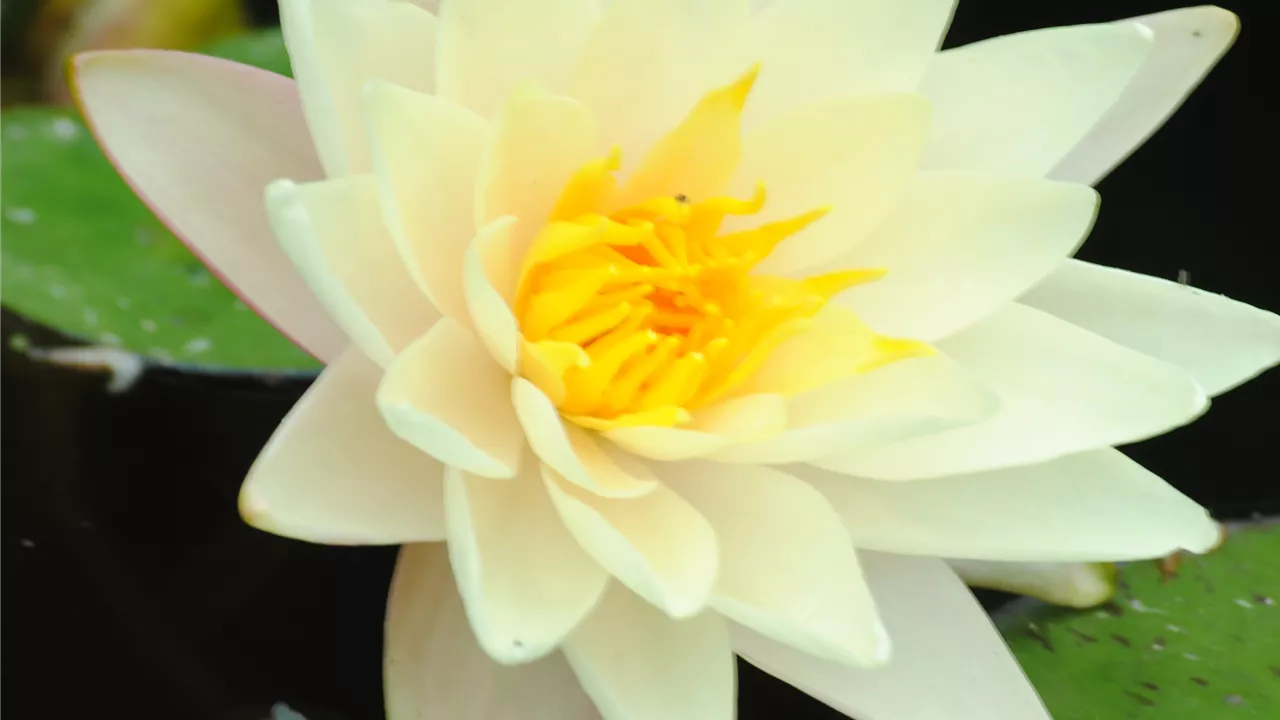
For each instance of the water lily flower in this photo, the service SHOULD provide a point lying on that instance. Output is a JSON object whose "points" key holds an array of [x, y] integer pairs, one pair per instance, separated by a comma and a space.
{"points": [[660, 331]]}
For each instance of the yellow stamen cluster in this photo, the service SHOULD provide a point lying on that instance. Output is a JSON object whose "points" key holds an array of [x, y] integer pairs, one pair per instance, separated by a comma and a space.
{"points": [[648, 312]]}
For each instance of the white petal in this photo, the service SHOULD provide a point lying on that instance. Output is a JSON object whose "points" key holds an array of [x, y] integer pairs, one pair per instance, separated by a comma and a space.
{"points": [[426, 154], [488, 46], [656, 545], [573, 452], [539, 140], [742, 419], [446, 396], [433, 668], [1220, 341], [1094, 506], [962, 245], [853, 153], [948, 661], [333, 473], [334, 233], [335, 48], [488, 282], [648, 61], [525, 581], [1062, 390], [1188, 43], [160, 114], [637, 664], [910, 397], [1018, 104], [811, 50], [787, 568]]}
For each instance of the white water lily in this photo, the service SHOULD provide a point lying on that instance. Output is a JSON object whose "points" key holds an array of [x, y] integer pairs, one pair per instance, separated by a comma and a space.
{"points": [[675, 329]]}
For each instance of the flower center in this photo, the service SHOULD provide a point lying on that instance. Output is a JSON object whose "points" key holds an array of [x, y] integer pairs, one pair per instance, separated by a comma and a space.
{"points": [[644, 313]]}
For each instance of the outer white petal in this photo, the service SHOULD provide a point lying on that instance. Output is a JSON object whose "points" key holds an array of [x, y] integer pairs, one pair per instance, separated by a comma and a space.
{"points": [[488, 46], [657, 545], [1093, 506], [1019, 103], [948, 661], [333, 473], [446, 396], [1220, 341], [334, 233], [814, 49], [160, 114], [648, 61], [1062, 389], [525, 581], [433, 668], [910, 397], [335, 48], [962, 245], [426, 154], [853, 153], [1188, 43], [787, 568], [638, 664]]}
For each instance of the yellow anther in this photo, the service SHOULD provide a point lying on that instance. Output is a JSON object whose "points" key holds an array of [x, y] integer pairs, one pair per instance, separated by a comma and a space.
{"points": [[592, 326]]}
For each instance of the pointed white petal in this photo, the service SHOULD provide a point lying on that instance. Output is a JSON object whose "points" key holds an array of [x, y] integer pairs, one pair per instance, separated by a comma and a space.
{"points": [[335, 48], [539, 141], [787, 567], [333, 232], [1188, 43], [638, 664], [574, 453], [1062, 389], [962, 245], [158, 114], [1220, 341], [657, 545], [488, 46], [1094, 506], [333, 473], [853, 153], [648, 61], [433, 667], [811, 50], [446, 396], [903, 399], [948, 661], [1018, 104], [426, 155], [525, 581]]}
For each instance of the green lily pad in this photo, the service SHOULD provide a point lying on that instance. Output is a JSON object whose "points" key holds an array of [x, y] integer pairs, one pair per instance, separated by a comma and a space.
{"points": [[1201, 644], [263, 49], [83, 255]]}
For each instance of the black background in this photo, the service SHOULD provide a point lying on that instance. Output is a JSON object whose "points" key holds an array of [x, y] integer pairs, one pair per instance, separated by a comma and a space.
{"points": [[132, 589]]}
